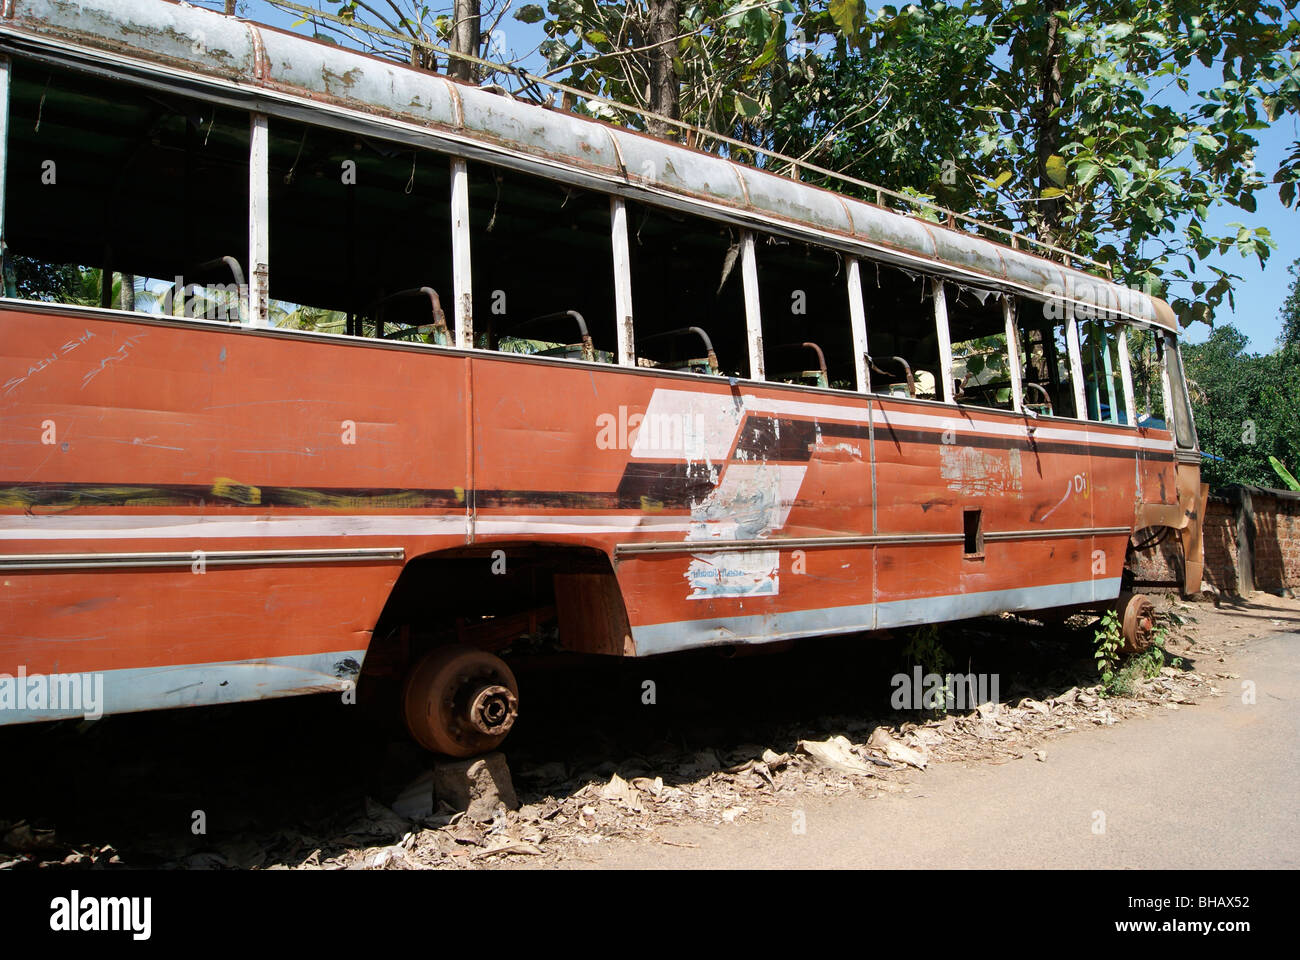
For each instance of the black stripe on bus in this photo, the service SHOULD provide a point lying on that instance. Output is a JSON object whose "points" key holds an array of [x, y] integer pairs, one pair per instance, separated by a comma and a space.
{"points": [[644, 485]]}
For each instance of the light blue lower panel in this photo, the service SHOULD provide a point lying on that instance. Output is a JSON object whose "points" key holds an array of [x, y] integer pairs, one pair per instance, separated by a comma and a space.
{"points": [[155, 688], [760, 628]]}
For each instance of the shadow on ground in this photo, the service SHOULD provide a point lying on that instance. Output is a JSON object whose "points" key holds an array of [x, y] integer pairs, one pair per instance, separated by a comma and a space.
{"points": [[294, 775]]}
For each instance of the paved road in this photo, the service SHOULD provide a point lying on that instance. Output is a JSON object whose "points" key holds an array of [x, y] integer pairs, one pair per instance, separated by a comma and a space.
{"points": [[1206, 786]]}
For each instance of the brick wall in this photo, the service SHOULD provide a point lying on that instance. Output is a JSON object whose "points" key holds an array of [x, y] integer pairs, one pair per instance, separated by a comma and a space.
{"points": [[1277, 543], [1220, 544], [1273, 544]]}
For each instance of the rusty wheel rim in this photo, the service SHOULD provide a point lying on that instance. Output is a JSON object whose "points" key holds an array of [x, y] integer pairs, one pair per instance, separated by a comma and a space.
{"points": [[460, 701], [1138, 623]]}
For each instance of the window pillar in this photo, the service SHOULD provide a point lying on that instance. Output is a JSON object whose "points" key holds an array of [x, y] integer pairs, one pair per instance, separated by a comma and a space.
{"points": [[1126, 377], [1076, 363], [258, 226], [945, 340], [1013, 354], [623, 330], [858, 323], [461, 272], [753, 312]]}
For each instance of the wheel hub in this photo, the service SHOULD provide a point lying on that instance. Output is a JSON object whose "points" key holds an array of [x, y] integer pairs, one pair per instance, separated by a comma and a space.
{"points": [[1137, 616], [492, 710], [460, 701]]}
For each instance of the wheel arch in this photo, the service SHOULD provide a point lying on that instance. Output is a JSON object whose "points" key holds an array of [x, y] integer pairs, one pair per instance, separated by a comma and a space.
{"points": [[484, 595]]}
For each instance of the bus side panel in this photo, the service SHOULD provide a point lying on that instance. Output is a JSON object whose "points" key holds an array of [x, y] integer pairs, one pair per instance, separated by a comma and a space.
{"points": [[1157, 483], [1033, 494], [672, 460], [124, 437]]}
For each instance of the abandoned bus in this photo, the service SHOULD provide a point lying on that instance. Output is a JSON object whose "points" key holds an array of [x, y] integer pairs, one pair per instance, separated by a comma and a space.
{"points": [[380, 374]]}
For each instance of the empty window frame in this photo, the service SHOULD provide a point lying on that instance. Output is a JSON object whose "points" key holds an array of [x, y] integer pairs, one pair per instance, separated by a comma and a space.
{"points": [[125, 197], [360, 237], [1049, 370], [1107, 396], [1147, 377], [543, 279], [804, 302], [1175, 391], [688, 292], [903, 350], [981, 362]]}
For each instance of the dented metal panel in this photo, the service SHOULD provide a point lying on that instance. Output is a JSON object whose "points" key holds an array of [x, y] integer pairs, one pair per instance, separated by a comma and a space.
{"points": [[732, 514], [162, 36], [955, 247], [166, 33], [529, 129], [298, 65], [878, 226], [1036, 273], [681, 171], [783, 198]]}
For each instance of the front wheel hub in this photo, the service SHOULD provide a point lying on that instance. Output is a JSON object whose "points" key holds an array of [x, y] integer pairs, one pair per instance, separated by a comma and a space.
{"points": [[493, 709], [460, 701]]}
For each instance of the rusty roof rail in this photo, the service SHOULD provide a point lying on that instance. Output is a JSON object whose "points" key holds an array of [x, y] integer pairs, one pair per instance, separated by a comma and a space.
{"points": [[699, 132], [205, 54]]}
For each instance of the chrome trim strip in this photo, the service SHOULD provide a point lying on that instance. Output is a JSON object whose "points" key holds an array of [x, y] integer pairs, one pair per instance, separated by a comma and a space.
{"points": [[770, 625], [1052, 534], [129, 689], [881, 540], [716, 546], [211, 558]]}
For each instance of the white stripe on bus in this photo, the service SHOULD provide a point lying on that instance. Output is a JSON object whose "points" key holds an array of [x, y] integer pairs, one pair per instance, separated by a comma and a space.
{"points": [[155, 527], [770, 625], [958, 418]]}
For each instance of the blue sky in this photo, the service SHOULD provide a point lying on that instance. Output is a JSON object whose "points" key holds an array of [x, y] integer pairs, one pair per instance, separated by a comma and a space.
{"points": [[1260, 292], [1258, 295]]}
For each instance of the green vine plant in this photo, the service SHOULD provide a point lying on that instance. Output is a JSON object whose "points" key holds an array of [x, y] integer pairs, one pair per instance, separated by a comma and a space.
{"points": [[924, 648], [1116, 678], [1107, 640], [1151, 661]]}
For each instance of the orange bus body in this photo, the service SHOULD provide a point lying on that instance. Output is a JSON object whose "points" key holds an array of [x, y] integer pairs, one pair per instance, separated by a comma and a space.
{"points": [[205, 513]]}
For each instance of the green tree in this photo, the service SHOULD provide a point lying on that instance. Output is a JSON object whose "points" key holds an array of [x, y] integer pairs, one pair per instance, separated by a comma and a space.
{"points": [[1111, 127], [1282, 387], [1247, 407], [1291, 311], [717, 65], [407, 33], [883, 112], [32, 279]]}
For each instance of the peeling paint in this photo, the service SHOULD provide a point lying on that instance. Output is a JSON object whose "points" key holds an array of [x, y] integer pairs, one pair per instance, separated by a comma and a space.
{"points": [[973, 472], [739, 574]]}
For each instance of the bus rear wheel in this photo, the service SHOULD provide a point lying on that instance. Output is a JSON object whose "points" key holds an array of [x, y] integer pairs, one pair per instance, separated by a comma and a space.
{"points": [[460, 701]]}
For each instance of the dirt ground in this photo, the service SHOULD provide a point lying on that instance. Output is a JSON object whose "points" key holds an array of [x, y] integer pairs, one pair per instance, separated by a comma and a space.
{"points": [[311, 783]]}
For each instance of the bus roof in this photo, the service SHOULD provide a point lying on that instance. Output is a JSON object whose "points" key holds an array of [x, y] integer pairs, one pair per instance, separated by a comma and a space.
{"points": [[252, 66]]}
